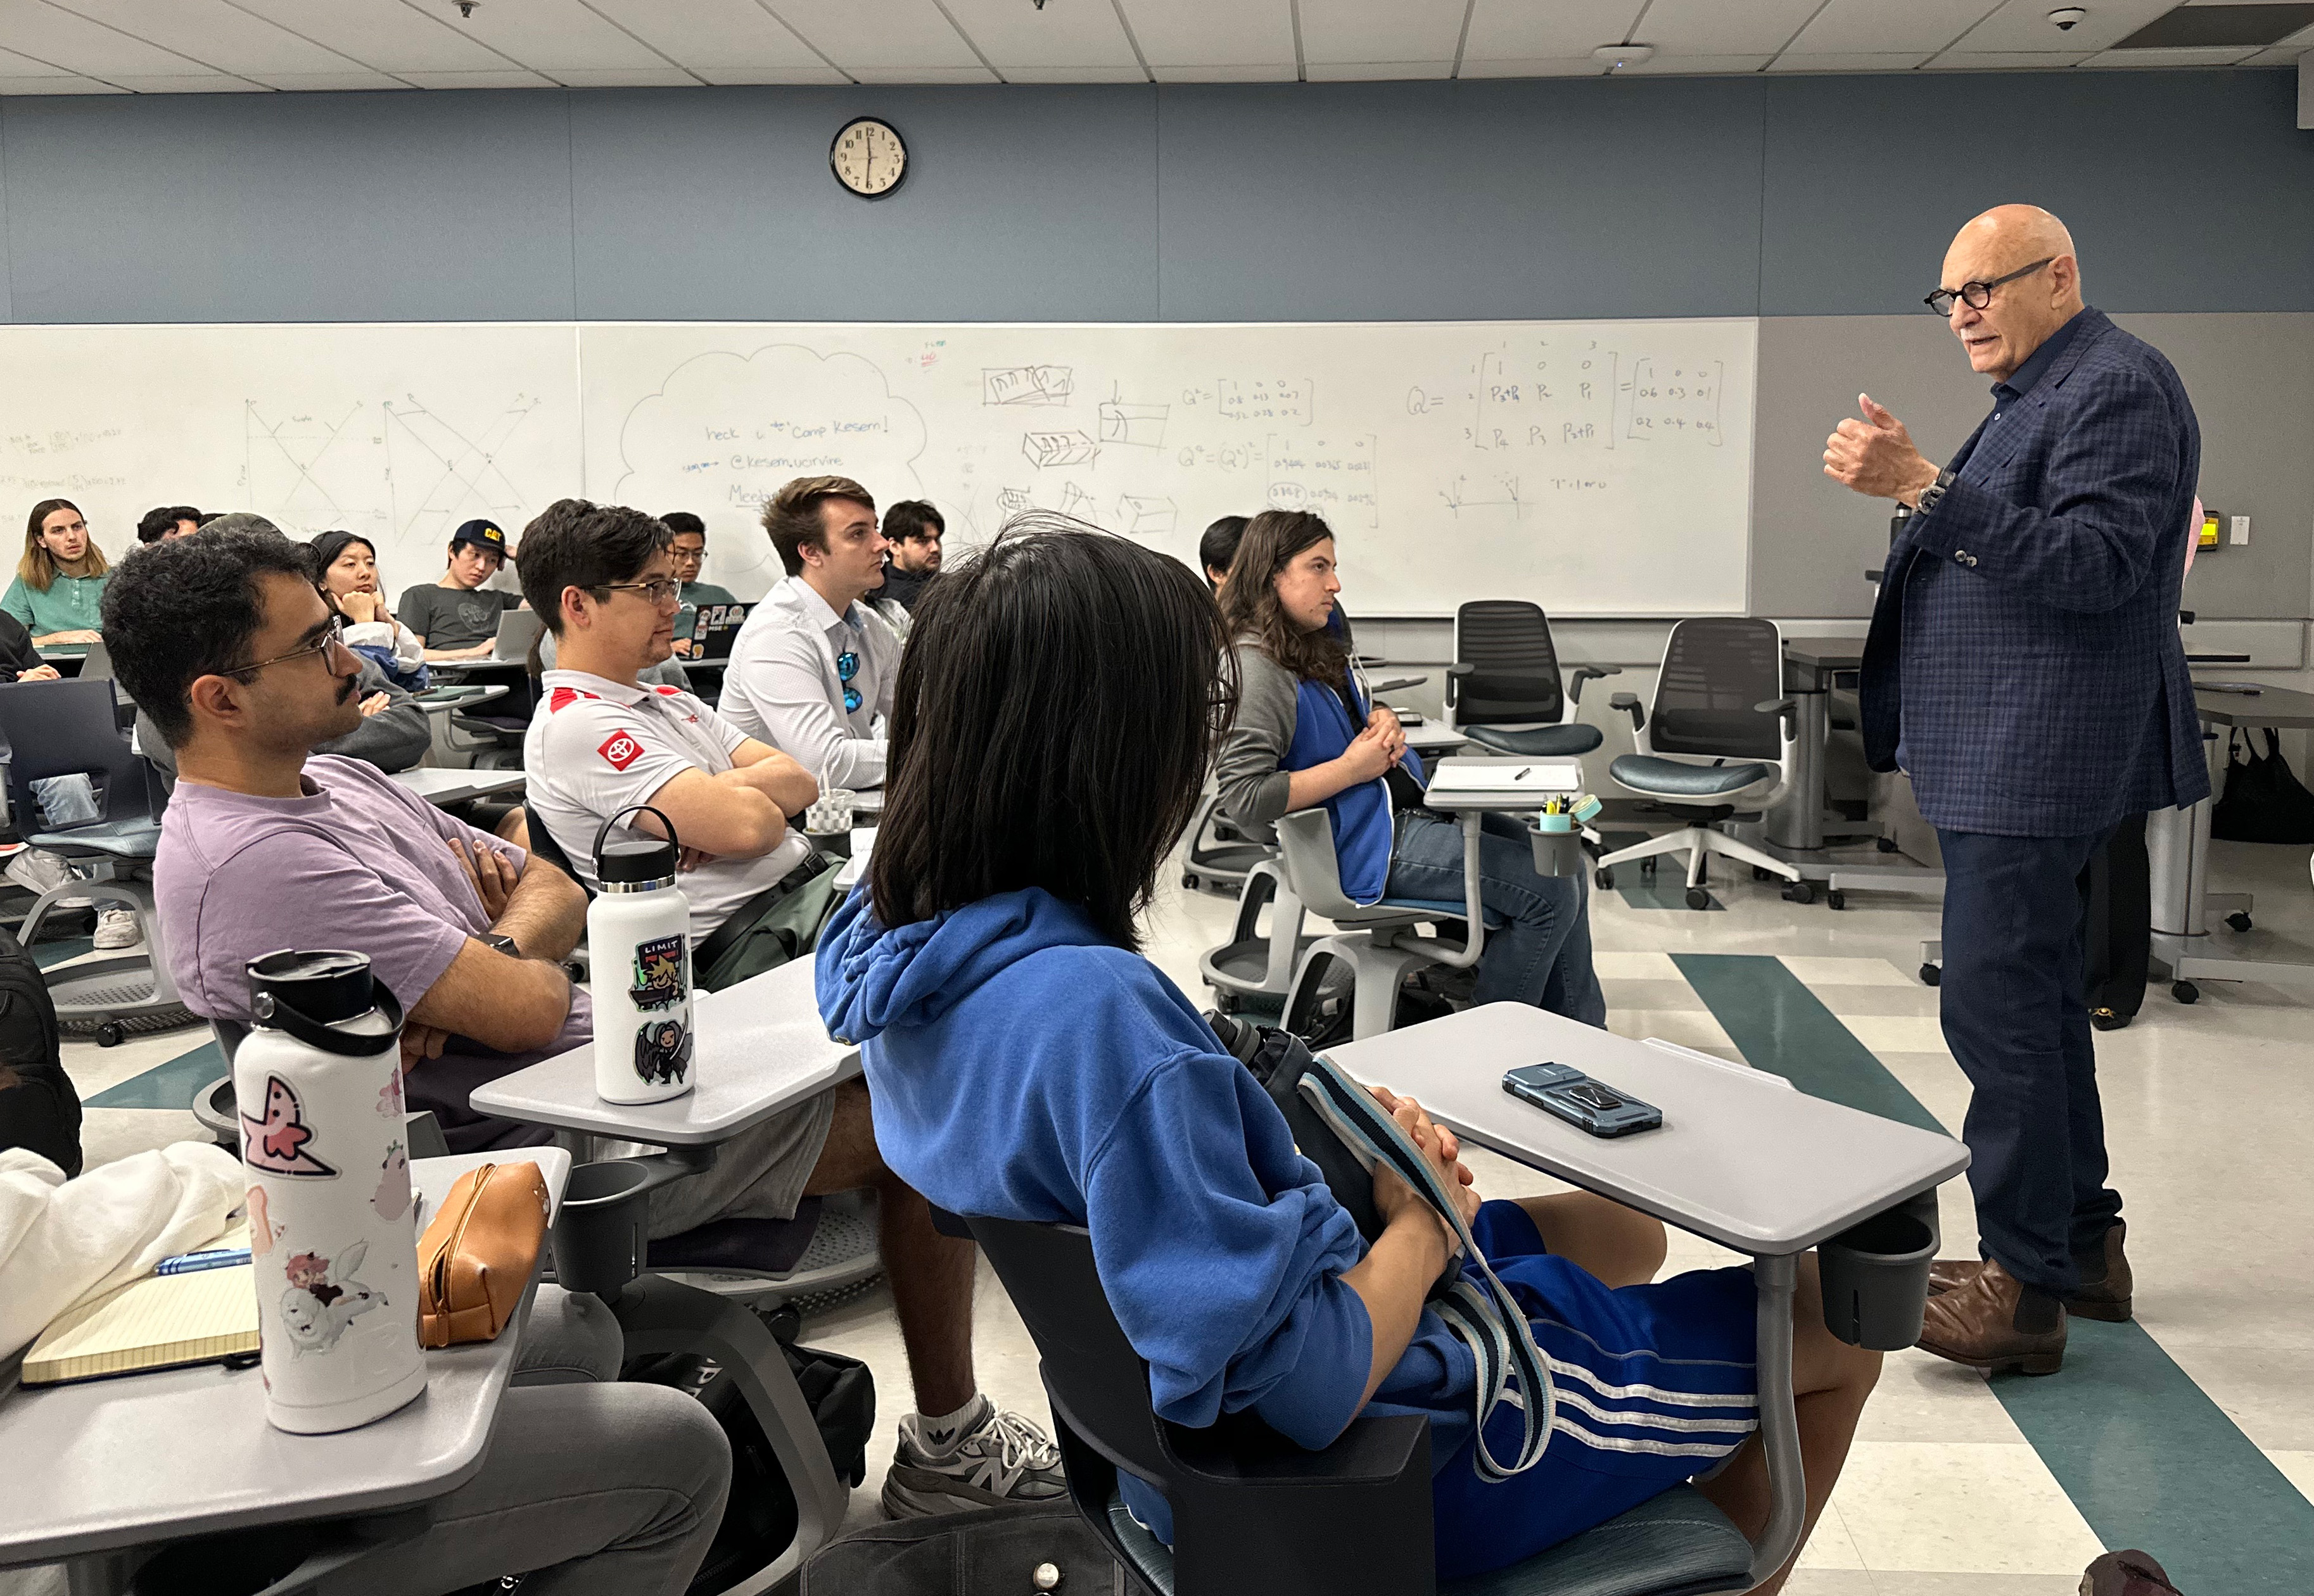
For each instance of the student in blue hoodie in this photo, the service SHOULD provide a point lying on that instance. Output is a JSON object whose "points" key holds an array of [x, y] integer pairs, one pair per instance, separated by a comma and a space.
{"points": [[1306, 734], [1061, 695]]}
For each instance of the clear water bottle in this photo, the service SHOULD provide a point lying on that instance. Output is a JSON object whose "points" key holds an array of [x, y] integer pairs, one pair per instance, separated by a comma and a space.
{"points": [[325, 1139], [638, 940]]}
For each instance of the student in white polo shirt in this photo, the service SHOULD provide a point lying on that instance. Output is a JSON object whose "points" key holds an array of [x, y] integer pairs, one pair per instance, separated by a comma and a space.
{"points": [[603, 578], [812, 669]]}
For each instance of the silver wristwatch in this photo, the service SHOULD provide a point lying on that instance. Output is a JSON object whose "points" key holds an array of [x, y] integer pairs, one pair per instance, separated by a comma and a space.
{"points": [[1934, 491]]}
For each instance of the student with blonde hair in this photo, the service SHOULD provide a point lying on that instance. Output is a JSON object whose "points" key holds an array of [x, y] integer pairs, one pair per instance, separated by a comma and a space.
{"points": [[60, 580]]}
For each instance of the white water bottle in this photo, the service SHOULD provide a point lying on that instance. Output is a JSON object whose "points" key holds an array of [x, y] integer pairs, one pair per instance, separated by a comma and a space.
{"points": [[326, 1144], [638, 940]]}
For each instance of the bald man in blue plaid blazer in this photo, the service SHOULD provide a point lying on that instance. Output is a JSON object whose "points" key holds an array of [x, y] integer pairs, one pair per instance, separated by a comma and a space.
{"points": [[2023, 669]]}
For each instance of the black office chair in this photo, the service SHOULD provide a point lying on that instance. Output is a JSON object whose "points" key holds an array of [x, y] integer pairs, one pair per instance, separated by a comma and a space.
{"points": [[70, 728], [1502, 690], [500, 726], [1254, 1511]]}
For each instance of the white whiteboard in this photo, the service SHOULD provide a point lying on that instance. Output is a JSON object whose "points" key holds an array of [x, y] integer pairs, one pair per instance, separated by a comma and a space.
{"points": [[1598, 468]]}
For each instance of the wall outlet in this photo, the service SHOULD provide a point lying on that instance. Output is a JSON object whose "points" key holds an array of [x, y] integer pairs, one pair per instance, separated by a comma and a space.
{"points": [[2240, 531]]}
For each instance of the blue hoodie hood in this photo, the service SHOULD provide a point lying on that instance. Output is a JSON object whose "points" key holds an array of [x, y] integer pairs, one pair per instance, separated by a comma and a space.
{"points": [[871, 979]]}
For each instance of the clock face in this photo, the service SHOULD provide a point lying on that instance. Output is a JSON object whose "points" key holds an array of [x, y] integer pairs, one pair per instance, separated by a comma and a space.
{"points": [[868, 158]]}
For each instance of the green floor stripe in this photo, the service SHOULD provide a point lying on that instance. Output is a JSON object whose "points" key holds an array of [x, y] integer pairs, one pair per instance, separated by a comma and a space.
{"points": [[48, 955], [2145, 1456], [165, 1086], [1781, 1026]]}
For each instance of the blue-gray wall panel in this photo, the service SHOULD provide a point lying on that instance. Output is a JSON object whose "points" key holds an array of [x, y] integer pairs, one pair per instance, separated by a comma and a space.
{"points": [[1452, 200], [1021, 204], [2185, 190], [290, 207]]}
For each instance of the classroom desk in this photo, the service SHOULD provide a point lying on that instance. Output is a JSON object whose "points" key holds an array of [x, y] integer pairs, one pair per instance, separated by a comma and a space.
{"points": [[441, 701], [443, 785], [67, 658], [761, 1047], [1434, 737], [863, 844], [109, 1466], [2177, 849]]}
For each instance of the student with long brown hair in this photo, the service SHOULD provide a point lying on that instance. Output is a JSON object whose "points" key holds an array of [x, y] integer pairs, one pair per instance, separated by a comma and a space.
{"points": [[1306, 734], [59, 582]]}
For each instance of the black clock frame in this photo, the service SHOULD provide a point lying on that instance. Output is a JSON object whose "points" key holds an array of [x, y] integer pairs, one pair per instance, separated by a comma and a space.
{"points": [[906, 159]]}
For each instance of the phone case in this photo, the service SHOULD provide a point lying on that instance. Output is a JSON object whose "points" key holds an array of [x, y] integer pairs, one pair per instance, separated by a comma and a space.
{"points": [[1548, 1087]]}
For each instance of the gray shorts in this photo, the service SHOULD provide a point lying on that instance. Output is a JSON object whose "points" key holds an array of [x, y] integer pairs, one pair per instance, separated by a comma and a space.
{"points": [[760, 1173]]}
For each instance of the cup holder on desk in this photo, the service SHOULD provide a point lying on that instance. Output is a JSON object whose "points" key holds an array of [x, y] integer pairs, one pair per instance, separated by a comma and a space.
{"points": [[1558, 845], [601, 1233], [1876, 1276]]}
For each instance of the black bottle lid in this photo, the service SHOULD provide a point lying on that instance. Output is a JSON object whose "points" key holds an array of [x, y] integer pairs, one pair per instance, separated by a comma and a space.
{"points": [[634, 863], [328, 984]]}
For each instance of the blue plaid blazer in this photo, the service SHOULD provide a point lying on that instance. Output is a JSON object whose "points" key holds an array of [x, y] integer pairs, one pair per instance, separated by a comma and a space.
{"points": [[2026, 645]]}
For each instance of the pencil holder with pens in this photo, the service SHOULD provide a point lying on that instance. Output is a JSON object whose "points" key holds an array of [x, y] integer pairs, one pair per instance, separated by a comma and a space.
{"points": [[1557, 835]]}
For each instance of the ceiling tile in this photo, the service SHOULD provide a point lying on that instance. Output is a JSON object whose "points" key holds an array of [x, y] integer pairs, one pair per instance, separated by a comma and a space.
{"points": [[887, 37], [191, 83], [1719, 28], [1262, 72], [720, 38], [381, 34], [504, 77], [1369, 72], [1074, 74], [2004, 61], [1065, 33], [625, 77], [1876, 27], [2223, 55], [2024, 26], [212, 32], [1668, 64], [308, 82], [52, 84], [2285, 54], [1530, 66], [901, 73], [63, 39], [1212, 32], [1522, 29], [14, 65], [1793, 60], [1380, 30], [547, 35]]}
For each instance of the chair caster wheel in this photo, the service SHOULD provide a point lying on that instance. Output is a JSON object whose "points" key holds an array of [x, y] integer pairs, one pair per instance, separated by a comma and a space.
{"points": [[1227, 1002], [1604, 879], [1835, 899], [1760, 875], [2239, 920], [1800, 892], [1885, 844], [2185, 991], [1932, 975], [1697, 898], [110, 1034], [1648, 865], [1189, 881]]}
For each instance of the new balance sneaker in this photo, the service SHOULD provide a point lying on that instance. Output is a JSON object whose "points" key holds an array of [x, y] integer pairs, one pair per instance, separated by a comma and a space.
{"points": [[1002, 1461], [117, 928]]}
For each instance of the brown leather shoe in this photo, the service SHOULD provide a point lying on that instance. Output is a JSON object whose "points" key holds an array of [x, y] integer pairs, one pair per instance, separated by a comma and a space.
{"points": [[2106, 1284], [1946, 1274], [1996, 1322]]}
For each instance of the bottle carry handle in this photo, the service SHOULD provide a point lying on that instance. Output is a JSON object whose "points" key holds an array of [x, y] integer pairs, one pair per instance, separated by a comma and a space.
{"points": [[614, 819], [271, 1010]]}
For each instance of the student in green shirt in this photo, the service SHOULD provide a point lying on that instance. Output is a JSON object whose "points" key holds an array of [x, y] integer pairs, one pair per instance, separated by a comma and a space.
{"points": [[690, 551], [60, 580]]}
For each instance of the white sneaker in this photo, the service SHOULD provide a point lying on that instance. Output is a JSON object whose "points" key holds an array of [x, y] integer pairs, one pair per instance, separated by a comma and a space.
{"points": [[1003, 1461], [117, 928]]}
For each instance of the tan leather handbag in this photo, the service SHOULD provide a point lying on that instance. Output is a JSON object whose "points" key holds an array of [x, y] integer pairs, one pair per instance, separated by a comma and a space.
{"points": [[476, 1259]]}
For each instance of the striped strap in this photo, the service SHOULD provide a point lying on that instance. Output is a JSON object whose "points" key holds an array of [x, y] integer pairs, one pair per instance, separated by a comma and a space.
{"points": [[1489, 1321]]}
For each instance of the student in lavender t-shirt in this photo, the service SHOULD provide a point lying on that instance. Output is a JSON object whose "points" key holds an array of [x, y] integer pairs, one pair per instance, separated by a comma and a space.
{"points": [[223, 641]]}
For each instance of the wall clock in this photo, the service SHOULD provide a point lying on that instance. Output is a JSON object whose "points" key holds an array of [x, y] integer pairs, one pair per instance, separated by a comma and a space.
{"points": [[869, 157]]}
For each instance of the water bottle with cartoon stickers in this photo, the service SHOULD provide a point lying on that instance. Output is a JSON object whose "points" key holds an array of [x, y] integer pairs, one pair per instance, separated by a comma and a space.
{"points": [[326, 1145], [638, 940]]}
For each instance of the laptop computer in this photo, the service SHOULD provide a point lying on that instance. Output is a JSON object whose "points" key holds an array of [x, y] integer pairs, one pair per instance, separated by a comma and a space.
{"points": [[517, 630], [715, 630]]}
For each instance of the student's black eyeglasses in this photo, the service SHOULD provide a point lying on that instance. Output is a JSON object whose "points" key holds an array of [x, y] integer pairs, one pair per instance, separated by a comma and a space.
{"points": [[666, 593], [335, 637], [1978, 294]]}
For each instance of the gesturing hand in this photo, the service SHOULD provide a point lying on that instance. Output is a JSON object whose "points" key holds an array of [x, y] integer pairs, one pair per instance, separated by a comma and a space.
{"points": [[375, 703], [1875, 456]]}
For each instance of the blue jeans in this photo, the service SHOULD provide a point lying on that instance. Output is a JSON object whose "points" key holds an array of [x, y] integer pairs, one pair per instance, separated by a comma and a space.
{"points": [[1541, 954]]}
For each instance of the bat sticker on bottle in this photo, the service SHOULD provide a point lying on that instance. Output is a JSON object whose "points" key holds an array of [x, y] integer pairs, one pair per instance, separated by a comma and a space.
{"points": [[642, 1026]]}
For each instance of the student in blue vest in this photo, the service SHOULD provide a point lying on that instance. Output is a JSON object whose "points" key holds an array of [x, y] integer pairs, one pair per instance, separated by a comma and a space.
{"points": [[1059, 699], [1306, 734]]}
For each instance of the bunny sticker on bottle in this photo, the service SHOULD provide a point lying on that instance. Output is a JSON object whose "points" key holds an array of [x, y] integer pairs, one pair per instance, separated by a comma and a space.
{"points": [[324, 1299]]}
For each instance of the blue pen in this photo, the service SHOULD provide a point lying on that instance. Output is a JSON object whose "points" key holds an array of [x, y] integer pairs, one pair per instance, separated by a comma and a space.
{"points": [[192, 1263]]}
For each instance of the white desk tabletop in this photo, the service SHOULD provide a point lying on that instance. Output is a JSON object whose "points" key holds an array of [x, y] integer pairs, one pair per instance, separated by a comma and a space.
{"points": [[863, 845], [1739, 1159], [760, 1047], [1511, 784], [112, 1463], [438, 784], [458, 697], [1432, 736]]}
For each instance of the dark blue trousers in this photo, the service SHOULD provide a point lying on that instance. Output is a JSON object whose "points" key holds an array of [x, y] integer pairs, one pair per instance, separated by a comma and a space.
{"points": [[2015, 909]]}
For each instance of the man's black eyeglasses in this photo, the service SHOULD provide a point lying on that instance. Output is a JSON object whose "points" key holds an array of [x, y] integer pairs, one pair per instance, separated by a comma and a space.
{"points": [[1977, 295], [335, 637]]}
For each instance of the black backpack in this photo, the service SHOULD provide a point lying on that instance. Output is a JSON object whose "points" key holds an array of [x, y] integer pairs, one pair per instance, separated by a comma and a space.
{"points": [[39, 1109], [2264, 800], [993, 1551]]}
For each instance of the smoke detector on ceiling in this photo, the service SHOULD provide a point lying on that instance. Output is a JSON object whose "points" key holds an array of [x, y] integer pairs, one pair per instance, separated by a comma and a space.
{"points": [[2068, 17], [1613, 57]]}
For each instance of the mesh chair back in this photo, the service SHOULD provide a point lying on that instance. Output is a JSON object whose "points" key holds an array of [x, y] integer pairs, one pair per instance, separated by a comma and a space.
{"points": [[67, 729], [1508, 640], [1714, 670]]}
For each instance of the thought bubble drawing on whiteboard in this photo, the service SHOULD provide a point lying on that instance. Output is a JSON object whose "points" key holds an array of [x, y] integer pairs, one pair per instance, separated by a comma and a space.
{"points": [[725, 430]]}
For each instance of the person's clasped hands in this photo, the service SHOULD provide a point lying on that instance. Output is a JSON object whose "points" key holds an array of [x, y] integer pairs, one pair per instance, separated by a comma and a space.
{"points": [[1441, 1146], [1375, 749]]}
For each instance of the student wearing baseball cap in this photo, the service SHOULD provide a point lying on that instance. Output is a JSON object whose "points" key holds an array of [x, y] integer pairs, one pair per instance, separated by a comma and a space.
{"points": [[458, 618]]}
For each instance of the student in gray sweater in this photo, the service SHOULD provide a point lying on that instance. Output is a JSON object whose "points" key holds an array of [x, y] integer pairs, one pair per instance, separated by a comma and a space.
{"points": [[1306, 735]]}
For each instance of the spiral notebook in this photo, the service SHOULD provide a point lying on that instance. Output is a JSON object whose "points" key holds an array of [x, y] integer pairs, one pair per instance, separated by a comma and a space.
{"points": [[158, 1322]]}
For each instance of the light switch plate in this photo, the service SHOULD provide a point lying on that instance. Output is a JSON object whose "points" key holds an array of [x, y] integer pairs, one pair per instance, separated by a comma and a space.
{"points": [[2241, 533]]}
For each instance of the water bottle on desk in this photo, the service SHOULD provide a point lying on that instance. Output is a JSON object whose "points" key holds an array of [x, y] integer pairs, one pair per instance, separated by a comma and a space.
{"points": [[639, 938], [325, 1141]]}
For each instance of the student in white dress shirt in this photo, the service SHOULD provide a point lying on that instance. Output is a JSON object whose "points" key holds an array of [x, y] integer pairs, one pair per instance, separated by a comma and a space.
{"points": [[812, 670]]}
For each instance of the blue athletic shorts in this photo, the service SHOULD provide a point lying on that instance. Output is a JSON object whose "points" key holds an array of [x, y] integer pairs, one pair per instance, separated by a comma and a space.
{"points": [[1655, 1386]]}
